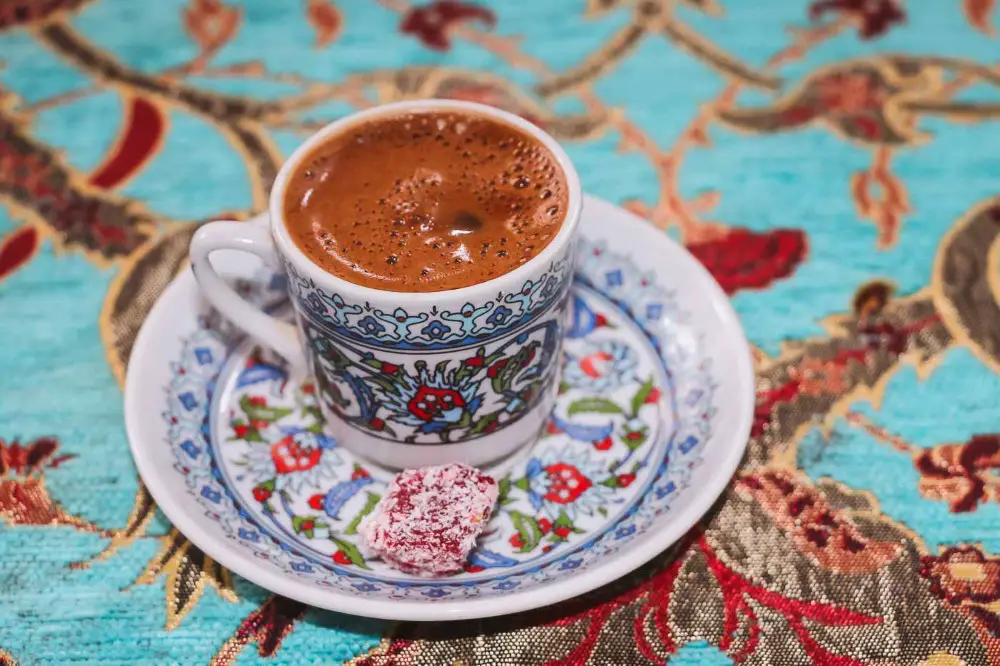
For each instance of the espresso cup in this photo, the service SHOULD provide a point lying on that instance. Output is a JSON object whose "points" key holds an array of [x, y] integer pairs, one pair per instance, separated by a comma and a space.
{"points": [[407, 379]]}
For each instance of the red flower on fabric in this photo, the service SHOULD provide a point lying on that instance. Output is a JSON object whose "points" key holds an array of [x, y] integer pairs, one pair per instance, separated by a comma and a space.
{"points": [[874, 17], [851, 93], [432, 23], [963, 573], [17, 249], [744, 259], [429, 402]]}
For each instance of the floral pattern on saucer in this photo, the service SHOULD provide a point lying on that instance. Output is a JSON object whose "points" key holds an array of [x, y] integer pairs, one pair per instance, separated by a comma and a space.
{"points": [[619, 447]]}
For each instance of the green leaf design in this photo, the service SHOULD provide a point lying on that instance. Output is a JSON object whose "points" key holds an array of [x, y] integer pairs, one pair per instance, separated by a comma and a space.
{"points": [[259, 413], [529, 530], [304, 525], [563, 520], [385, 384], [522, 483], [640, 396], [503, 490], [352, 552], [593, 406], [484, 423], [352, 527]]}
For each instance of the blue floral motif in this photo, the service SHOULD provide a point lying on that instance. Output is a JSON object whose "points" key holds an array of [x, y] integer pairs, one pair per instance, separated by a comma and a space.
{"points": [[499, 316], [399, 329], [315, 304], [569, 565], [371, 326], [435, 593], [435, 330]]}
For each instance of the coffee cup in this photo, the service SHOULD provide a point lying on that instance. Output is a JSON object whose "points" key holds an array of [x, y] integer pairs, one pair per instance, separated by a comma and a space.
{"points": [[412, 378]]}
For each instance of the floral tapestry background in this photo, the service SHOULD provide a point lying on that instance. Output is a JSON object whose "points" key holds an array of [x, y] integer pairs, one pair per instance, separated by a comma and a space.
{"points": [[834, 164]]}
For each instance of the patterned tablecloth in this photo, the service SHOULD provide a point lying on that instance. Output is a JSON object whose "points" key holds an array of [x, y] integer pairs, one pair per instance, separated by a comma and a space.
{"points": [[834, 163]]}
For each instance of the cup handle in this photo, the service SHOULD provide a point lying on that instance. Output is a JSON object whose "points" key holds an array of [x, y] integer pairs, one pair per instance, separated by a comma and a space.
{"points": [[253, 237]]}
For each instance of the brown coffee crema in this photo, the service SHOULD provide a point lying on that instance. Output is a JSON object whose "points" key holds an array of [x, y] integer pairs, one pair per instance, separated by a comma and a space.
{"points": [[426, 201]]}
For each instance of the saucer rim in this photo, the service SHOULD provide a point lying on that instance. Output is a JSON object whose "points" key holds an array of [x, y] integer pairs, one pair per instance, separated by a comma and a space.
{"points": [[679, 522]]}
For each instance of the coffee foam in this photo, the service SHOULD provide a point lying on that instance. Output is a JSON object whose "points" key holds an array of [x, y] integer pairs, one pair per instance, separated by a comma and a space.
{"points": [[426, 201]]}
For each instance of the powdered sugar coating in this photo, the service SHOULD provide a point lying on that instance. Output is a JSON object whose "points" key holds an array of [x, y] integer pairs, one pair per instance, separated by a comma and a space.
{"points": [[429, 519]]}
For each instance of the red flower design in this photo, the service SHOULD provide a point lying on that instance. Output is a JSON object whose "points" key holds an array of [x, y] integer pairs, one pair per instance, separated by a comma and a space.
{"points": [[472, 568], [429, 402], [307, 525], [595, 365], [389, 368], [377, 423], [258, 401], [17, 249], [474, 362], [960, 474], [562, 532], [874, 17], [745, 259], [962, 574], [496, 368], [241, 430], [316, 501], [432, 23], [566, 483], [261, 494], [308, 389], [359, 473], [625, 480], [653, 396], [289, 456], [24, 459], [604, 444], [516, 541], [340, 557], [545, 525]]}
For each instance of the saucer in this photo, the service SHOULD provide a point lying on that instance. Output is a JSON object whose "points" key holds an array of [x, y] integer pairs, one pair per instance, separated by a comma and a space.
{"points": [[653, 414]]}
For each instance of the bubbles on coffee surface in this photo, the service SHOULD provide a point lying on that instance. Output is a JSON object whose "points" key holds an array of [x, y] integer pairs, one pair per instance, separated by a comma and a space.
{"points": [[425, 202]]}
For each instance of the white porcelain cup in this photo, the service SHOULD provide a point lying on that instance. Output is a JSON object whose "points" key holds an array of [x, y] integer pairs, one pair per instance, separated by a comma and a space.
{"points": [[408, 379]]}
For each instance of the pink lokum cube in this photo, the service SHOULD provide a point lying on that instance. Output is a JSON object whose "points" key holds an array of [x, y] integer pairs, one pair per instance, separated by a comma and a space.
{"points": [[429, 519]]}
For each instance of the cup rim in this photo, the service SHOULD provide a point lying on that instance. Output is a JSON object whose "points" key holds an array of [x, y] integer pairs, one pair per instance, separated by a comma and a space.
{"points": [[356, 292]]}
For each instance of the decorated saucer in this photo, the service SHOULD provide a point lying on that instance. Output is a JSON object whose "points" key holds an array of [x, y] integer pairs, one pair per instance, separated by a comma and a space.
{"points": [[653, 414]]}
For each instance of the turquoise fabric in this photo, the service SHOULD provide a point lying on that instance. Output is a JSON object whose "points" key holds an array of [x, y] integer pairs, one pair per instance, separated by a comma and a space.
{"points": [[58, 359]]}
